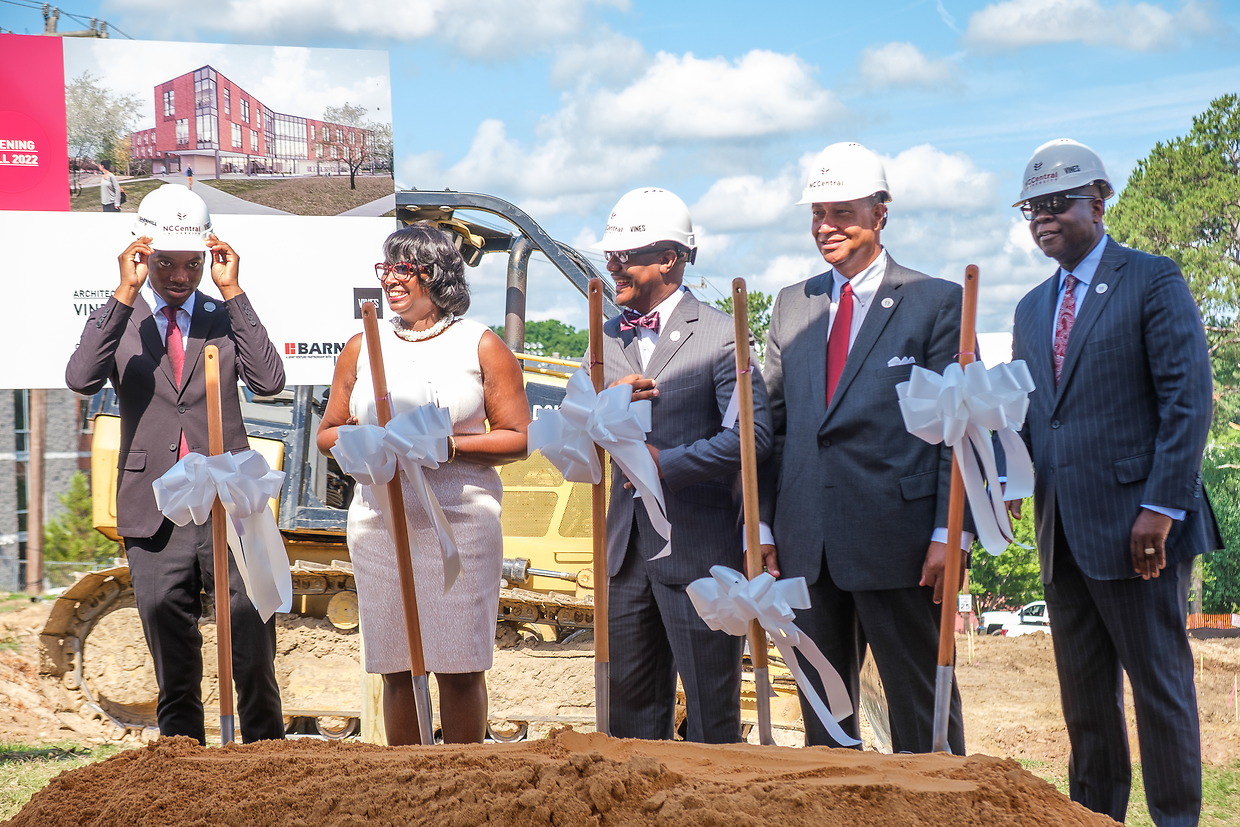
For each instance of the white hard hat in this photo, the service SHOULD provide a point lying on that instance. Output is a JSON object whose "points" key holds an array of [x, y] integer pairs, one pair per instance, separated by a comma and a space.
{"points": [[1062, 164], [175, 218], [647, 216], [845, 172]]}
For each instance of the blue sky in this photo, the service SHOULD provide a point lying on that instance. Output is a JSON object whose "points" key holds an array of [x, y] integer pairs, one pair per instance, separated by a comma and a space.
{"points": [[561, 106]]}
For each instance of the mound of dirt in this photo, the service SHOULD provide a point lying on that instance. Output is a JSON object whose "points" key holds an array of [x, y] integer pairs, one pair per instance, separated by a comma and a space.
{"points": [[569, 778]]}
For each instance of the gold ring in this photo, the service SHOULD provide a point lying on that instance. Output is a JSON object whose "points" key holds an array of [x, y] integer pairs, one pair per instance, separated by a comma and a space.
{"points": [[1151, 551]]}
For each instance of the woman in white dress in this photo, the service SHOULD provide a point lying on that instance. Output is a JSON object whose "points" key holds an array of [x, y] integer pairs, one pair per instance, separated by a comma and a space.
{"points": [[431, 353]]}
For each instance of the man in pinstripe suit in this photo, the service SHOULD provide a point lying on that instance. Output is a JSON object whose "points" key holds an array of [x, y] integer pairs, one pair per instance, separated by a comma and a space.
{"points": [[680, 354], [1117, 427]]}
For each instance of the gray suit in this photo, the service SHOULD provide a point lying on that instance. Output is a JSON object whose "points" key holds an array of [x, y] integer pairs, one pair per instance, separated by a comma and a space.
{"points": [[171, 565], [654, 629], [853, 498], [1126, 425]]}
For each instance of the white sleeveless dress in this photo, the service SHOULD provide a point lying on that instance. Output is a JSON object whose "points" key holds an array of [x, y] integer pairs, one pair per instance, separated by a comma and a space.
{"points": [[458, 628]]}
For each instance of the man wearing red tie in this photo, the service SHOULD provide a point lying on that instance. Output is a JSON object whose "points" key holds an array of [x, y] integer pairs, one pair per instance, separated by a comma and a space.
{"points": [[858, 506], [1116, 427], [148, 339]]}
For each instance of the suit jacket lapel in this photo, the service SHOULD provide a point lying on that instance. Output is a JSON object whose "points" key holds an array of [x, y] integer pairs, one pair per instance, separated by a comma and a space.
{"points": [[1106, 279], [148, 331], [628, 346], [200, 325], [680, 322], [817, 310], [876, 317], [1042, 364]]}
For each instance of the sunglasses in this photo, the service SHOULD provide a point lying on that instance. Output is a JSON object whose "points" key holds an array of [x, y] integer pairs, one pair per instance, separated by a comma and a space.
{"points": [[623, 256], [1053, 204], [402, 271]]}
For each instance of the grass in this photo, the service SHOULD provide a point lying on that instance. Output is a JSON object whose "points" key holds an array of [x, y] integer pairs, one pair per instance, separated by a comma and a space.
{"points": [[308, 196], [24, 770], [1220, 789], [301, 196]]}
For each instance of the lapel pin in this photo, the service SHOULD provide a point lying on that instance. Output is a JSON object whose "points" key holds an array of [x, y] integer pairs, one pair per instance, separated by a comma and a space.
{"points": [[1101, 288], [674, 335], [888, 302], [209, 307]]}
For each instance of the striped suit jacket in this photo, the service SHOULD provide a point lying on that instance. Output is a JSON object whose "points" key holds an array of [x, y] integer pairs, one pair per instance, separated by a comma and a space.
{"points": [[1128, 421]]}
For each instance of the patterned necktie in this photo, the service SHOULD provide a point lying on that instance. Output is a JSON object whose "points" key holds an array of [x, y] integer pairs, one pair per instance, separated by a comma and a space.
{"points": [[1063, 324], [176, 355], [630, 319], [837, 342]]}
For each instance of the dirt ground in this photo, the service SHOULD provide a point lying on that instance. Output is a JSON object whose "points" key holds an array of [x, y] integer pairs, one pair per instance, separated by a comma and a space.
{"points": [[1011, 706], [1008, 686]]}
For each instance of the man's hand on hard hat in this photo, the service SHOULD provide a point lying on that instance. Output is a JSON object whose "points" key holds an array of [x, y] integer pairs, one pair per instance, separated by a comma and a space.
{"points": [[224, 266], [133, 265]]}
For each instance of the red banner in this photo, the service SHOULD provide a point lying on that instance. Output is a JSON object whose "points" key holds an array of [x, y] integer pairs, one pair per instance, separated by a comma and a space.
{"points": [[34, 154]]}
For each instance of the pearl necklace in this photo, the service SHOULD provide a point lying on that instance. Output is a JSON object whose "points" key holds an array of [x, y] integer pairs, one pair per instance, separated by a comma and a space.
{"points": [[410, 335]]}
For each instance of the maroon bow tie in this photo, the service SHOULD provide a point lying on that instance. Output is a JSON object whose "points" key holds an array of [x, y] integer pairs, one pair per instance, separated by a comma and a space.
{"points": [[630, 319]]}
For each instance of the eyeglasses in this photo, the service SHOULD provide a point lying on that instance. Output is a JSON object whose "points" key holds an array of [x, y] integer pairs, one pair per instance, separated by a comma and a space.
{"points": [[402, 271], [1053, 204], [623, 256]]}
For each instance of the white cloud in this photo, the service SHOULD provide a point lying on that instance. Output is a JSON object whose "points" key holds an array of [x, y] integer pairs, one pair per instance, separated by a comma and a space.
{"points": [[684, 97], [481, 29], [1139, 27], [747, 202], [903, 64], [608, 59], [925, 178], [558, 174]]}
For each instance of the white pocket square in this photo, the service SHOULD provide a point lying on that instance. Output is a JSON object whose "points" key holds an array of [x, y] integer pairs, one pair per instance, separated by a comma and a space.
{"points": [[896, 361]]}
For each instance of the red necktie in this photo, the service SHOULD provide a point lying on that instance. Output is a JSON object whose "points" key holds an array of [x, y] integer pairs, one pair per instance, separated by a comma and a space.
{"points": [[1063, 324], [837, 342], [176, 355]]}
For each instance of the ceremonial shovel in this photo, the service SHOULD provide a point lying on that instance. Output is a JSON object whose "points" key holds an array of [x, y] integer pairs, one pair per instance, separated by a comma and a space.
{"points": [[400, 534], [219, 543], [955, 526], [749, 489], [598, 523]]}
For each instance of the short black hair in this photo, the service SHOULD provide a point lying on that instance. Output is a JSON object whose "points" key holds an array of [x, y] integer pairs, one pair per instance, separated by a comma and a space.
{"points": [[106, 165]]}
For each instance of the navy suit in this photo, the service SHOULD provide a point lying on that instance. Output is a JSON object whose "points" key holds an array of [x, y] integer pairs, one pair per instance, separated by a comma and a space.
{"points": [[650, 614], [1125, 426], [853, 498], [171, 565]]}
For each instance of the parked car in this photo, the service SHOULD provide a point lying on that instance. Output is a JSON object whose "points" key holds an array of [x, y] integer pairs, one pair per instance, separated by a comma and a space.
{"points": [[1029, 620], [992, 623]]}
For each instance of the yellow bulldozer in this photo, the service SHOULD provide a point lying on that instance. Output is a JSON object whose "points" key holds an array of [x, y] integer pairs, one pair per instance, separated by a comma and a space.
{"points": [[92, 642]]}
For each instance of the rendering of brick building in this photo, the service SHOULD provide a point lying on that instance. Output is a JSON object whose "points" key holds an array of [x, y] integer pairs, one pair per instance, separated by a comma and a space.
{"points": [[206, 122]]}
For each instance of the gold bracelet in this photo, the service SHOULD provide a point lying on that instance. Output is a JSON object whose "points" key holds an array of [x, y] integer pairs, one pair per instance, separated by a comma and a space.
{"points": [[451, 449]]}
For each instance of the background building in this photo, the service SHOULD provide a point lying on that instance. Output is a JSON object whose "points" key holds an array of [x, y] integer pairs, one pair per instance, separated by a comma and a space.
{"points": [[211, 125]]}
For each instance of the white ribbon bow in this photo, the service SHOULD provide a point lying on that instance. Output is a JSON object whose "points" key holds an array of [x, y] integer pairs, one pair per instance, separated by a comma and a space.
{"points": [[615, 423], [960, 408], [415, 439], [244, 483], [728, 602]]}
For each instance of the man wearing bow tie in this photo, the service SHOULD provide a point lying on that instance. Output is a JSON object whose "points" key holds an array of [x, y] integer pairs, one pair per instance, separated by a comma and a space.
{"points": [[858, 505], [149, 340], [680, 354], [1116, 426]]}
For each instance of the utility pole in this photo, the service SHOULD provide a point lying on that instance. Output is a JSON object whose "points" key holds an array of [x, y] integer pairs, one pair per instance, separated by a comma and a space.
{"points": [[34, 491], [51, 18]]}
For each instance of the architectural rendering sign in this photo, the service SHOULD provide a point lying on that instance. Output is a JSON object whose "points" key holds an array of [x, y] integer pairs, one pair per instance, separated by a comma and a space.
{"points": [[290, 148]]}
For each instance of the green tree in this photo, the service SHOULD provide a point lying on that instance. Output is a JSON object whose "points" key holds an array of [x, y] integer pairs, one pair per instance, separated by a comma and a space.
{"points": [[551, 337], [1220, 586], [759, 316], [375, 151], [97, 118], [1013, 578], [1183, 201], [71, 537]]}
